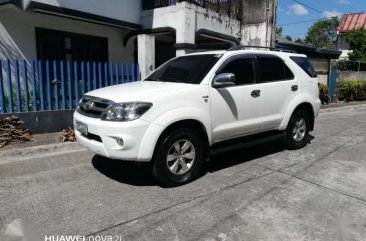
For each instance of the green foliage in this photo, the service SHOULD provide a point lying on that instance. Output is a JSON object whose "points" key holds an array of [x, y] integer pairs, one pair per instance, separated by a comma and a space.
{"points": [[279, 31], [323, 88], [351, 90], [357, 41], [323, 34], [299, 41], [323, 93], [288, 37], [22, 100]]}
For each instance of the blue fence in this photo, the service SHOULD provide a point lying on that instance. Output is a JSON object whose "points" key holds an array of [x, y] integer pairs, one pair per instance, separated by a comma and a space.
{"points": [[56, 85]]}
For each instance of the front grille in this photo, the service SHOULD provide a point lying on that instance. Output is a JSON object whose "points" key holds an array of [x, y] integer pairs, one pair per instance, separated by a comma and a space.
{"points": [[93, 106]]}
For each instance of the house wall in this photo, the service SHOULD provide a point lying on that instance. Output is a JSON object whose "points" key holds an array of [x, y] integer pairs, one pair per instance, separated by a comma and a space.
{"points": [[124, 10], [351, 75], [187, 18], [323, 78], [321, 66], [18, 37], [258, 19]]}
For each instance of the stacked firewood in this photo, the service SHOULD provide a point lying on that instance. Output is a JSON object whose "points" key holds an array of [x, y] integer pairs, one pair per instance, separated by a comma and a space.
{"points": [[67, 135], [10, 132]]}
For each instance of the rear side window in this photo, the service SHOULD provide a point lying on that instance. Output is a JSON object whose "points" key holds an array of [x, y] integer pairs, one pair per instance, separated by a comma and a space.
{"points": [[272, 69], [305, 64], [243, 70]]}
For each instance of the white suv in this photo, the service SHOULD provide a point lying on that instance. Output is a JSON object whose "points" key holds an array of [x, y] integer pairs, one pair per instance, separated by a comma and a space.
{"points": [[200, 104]]}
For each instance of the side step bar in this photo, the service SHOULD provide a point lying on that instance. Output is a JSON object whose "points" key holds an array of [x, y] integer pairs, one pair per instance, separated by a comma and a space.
{"points": [[248, 141]]}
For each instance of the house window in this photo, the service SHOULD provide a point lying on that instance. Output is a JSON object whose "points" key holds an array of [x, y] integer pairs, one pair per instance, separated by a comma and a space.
{"points": [[59, 45]]}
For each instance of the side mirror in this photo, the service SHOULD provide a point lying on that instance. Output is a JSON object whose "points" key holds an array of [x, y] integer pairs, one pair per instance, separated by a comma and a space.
{"points": [[224, 80]]}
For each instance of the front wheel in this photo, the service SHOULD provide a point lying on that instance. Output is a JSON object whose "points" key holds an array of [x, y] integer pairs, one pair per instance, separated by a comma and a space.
{"points": [[297, 132], [178, 158]]}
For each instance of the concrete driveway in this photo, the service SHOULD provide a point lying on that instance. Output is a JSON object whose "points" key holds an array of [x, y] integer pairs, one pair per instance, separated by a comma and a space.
{"points": [[260, 193]]}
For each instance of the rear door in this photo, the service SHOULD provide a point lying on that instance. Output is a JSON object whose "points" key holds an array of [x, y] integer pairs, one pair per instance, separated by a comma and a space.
{"points": [[235, 110], [278, 87]]}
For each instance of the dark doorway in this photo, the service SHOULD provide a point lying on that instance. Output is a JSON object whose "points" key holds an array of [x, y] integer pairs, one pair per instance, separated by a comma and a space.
{"points": [[164, 48], [59, 45]]}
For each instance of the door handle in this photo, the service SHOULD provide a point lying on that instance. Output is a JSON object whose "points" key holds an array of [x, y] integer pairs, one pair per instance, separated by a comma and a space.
{"points": [[294, 88], [255, 93]]}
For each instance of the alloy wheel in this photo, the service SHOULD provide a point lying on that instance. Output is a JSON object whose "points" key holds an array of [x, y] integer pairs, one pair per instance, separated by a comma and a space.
{"points": [[181, 156], [299, 130]]}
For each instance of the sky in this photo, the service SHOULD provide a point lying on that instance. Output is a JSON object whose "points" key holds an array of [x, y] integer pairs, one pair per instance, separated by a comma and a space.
{"points": [[292, 11]]}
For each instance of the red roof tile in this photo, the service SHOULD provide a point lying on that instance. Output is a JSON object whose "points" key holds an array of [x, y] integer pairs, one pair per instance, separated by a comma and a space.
{"points": [[352, 21]]}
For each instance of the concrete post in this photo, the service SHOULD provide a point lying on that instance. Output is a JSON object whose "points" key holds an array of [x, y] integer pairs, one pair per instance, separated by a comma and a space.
{"points": [[186, 34], [146, 54], [258, 22]]}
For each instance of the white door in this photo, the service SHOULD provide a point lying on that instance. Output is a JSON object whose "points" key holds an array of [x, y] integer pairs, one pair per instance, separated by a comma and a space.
{"points": [[235, 110], [278, 87]]}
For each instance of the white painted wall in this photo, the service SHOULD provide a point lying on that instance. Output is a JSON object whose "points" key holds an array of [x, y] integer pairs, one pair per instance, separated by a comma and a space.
{"points": [[187, 18], [351, 75], [18, 38], [323, 78], [124, 10], [146, 56], [255, 34], [345, 55]]}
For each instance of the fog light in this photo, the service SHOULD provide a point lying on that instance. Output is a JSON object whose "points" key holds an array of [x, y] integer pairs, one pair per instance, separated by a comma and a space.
{"points": [[120, 142]]}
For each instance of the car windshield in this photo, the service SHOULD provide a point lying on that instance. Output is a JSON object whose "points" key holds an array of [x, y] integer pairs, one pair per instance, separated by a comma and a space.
{"points": [[189, 69]]}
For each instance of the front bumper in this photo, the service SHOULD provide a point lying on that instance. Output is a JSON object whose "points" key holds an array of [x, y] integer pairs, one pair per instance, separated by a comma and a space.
{"points": [[104, 134]]}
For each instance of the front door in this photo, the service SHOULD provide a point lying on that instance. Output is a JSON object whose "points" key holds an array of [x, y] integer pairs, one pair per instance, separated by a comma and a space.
{"points": [[235, 110]]}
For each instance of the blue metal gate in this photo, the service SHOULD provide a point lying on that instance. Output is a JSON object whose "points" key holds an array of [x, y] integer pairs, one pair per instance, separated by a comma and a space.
{"points": [[332, 83]]}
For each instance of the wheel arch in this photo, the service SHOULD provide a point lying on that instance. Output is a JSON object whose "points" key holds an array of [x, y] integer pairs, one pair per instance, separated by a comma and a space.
{"points": [[186, 123], [300, 104], [176, 118], [310, 110]]}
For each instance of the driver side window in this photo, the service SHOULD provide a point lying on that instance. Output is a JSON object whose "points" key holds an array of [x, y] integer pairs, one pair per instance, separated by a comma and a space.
{"points": [[242, 68]]}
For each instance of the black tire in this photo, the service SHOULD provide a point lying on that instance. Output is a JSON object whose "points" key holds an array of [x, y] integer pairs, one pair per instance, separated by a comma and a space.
{"points": [[159, 166], [298, 141]]}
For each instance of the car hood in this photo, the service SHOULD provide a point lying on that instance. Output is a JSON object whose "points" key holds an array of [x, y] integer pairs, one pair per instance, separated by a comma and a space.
{"points": [[136, 91]]}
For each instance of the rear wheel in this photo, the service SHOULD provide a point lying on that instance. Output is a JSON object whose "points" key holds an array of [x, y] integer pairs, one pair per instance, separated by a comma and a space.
{"points": [[178, 158], [297, 132]]}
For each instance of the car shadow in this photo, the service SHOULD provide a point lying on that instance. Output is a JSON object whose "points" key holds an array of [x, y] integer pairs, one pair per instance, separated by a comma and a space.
{"points": [[236, 157], [123, 171], [137, 175]]}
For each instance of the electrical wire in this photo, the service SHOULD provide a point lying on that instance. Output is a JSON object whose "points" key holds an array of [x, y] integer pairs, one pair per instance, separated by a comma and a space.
{"points": [[298, 22]]}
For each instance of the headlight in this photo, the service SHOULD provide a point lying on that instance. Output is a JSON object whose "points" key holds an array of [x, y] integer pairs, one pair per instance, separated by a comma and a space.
{"points": [[126, 111]]}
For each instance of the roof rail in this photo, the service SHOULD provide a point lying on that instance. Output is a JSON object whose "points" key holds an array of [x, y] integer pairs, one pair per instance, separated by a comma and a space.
{"points": [[242, 47], [284, 50]]}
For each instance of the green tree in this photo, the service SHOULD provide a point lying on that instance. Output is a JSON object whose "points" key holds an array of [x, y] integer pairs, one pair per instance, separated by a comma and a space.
{"points": [[279, 31], [357, 42], [299, 41], [288, 37], [323, 34]]}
